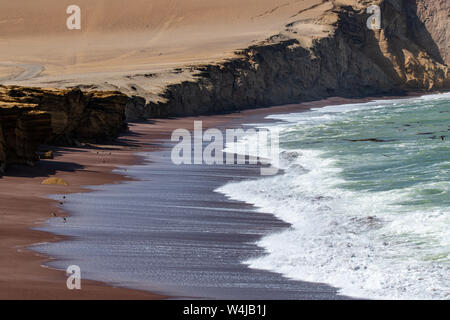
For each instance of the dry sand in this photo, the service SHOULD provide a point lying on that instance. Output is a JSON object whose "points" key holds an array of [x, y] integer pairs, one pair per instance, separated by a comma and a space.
{"points": [[23, 205], [123, 38]]}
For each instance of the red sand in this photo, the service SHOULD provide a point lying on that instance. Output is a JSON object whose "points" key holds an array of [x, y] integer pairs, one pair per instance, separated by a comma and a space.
{"points": [[24, 205]]}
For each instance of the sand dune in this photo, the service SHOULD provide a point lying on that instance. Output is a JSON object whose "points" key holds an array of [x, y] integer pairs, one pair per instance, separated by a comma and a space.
{"points": [[47, 17], [123, 36]]}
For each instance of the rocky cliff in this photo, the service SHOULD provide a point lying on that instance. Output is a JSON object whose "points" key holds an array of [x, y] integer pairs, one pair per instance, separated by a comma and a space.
{"points": [[32, 116], [340, 57], [22, 130], [350, 60], [431, 27]]}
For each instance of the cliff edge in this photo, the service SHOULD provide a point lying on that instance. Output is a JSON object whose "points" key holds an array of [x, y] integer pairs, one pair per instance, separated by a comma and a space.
{"points": [[324, 49], [32, 116], [344, 58]]}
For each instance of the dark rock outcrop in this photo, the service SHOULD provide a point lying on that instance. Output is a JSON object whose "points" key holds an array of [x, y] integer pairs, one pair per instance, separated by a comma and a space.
{"points": [[22, 130], [76, 115], [352, 61], [32, 116], [429, 24]]}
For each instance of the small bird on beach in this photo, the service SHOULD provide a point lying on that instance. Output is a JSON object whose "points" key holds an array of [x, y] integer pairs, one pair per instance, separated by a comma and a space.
{"points": [[64, 219], [61, 203], [53, 214]]}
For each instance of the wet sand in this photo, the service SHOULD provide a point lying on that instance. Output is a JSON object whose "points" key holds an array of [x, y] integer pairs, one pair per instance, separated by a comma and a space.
{"points": [[24, 205]]}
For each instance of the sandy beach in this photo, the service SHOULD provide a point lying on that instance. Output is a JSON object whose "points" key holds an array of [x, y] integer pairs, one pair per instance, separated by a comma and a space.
{"points": [[24, 204], [135, 61]]}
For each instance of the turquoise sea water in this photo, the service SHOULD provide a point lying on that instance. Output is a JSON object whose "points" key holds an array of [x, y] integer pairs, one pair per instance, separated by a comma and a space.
{"points": [[366, 188]]}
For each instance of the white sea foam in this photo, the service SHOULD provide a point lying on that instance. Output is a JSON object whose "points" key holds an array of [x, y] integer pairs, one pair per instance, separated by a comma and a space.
{"points": [[361, 242]]}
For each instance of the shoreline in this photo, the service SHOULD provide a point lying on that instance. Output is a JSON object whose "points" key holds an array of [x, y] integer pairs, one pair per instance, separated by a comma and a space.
{"points": [[26, 206], [81, 167]]}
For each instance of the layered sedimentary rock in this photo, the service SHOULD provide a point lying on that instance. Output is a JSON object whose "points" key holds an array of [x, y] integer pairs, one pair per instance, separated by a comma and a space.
{"points": [[431, 29], [31, 116], [22, 130], [350, 61], [75, 115]]}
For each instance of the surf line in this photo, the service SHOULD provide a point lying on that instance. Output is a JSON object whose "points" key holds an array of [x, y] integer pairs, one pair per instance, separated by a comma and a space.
{"points": [[264, 149]]}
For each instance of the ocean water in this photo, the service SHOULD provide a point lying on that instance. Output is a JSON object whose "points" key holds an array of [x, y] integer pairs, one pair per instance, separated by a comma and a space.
{"points": [[366, 189]]}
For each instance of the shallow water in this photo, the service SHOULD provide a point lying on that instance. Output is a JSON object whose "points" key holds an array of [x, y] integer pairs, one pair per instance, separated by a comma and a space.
{"points": [[366, 188], [170, 233]]}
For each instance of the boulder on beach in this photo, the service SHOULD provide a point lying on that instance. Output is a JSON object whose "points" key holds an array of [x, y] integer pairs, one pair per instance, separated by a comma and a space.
{"points": [[55, 181], [46, 155]]}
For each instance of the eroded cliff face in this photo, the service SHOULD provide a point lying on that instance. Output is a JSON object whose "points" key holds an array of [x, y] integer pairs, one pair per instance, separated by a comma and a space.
{"points": [[431, 29], [32, 116], [350, 61], [22, 130], [342, 58]]}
